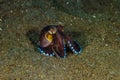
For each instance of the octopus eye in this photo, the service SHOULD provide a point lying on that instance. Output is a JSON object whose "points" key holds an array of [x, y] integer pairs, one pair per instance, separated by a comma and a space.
{"points": [[52, 31]]}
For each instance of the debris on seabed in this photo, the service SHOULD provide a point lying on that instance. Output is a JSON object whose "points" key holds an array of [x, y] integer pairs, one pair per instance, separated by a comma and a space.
{"points": [[67, 2], [0, 29], [106, 45], [0, 20], [94, 16]]}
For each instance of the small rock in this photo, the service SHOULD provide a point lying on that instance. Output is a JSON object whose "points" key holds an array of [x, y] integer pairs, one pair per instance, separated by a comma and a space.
{"points": [[75, 18], [26, 10], [71, 20], [59, 22], [71, 24], [103, 39], [22, 11], [89, 21], [106, 44], [81, 19], [0, 20], [94, 16], [11, 11], [0, 29], [7, 26], [67, 2]]}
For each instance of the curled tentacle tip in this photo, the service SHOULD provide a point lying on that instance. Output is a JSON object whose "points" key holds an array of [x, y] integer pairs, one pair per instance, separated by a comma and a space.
{"points": [[63, 57], [51, 54], [80, 51], [39, 49]]}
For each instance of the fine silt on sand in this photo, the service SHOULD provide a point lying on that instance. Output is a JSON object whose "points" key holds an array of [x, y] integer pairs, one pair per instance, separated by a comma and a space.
{"points": [[95, 27]]}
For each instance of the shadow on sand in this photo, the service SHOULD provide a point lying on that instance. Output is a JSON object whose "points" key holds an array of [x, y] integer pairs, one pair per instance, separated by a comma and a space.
{"points": [[33, 36]]}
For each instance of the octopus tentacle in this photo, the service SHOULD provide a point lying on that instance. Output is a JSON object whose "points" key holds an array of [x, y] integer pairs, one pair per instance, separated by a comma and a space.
{"points": [[59, 54], [46, 51], [75, 47], [60, 48]]}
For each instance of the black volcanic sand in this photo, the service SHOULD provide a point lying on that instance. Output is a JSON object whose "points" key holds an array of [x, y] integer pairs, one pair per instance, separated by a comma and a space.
{"points": [[98, 32]]}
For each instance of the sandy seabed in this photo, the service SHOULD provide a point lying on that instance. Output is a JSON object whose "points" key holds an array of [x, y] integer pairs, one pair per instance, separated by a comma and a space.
{"points": [[20, 26]]}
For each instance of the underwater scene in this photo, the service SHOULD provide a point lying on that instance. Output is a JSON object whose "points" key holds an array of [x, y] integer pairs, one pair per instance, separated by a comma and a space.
{"points": [[59, 39]]}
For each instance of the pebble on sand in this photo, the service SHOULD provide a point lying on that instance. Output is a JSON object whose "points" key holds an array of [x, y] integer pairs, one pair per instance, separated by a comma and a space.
{"points": [[0, 29]]}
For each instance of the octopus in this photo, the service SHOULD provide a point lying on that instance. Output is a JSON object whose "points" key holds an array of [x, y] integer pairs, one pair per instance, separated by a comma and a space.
{"points": [[53, 41]]}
